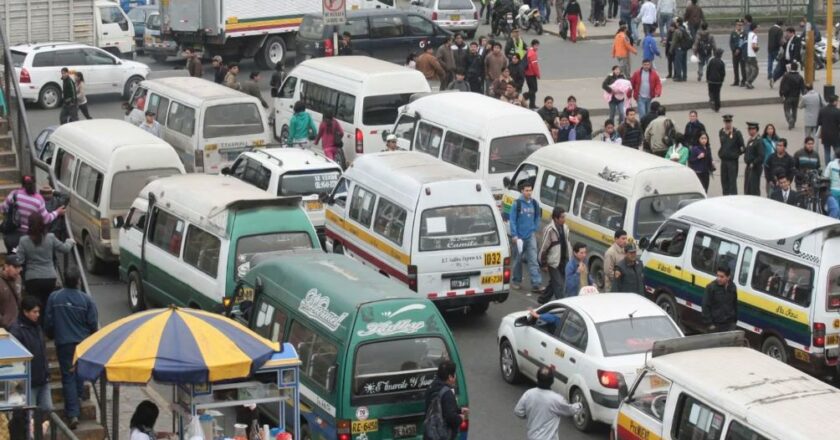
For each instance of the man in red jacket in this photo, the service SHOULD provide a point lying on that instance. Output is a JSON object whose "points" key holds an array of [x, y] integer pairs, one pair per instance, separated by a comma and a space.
{"points": [[532, 72], [646, 87]]}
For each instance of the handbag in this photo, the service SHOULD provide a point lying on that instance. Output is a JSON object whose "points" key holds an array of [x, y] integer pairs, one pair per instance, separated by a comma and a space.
{"points": [[10, 221]]}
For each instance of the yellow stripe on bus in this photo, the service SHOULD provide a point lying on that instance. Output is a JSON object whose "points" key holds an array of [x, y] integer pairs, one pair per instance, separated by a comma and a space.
{"points": [[577, 227], [366, 237]]}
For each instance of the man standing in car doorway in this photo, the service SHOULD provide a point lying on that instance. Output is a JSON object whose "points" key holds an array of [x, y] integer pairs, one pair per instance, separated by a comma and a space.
{"points": [[720, 302]]}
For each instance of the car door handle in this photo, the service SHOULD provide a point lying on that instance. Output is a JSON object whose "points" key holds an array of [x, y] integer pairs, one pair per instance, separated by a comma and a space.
{"points": [[678, 267], [104, 33], [543, 344], [572, 360]]}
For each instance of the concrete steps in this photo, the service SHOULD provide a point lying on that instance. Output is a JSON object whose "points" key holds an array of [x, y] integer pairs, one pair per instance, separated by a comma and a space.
{"points": [[89, 427]]}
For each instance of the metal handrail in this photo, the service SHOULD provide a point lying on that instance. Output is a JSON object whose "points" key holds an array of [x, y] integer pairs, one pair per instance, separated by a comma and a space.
{"points": [[23, 142], [56, 424]]}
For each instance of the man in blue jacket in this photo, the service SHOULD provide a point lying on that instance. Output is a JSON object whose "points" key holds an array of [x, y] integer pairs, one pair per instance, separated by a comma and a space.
{"points": [[524, 221]]}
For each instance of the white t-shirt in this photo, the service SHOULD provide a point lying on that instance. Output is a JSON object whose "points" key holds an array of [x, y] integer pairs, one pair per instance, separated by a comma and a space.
{"points": [[647, 13], [752, 39], [137, 435]]}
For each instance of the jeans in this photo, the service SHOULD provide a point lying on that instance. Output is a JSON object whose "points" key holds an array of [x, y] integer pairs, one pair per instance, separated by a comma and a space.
{"points": [[629, 21], [714, 95], [664, 21], [529, 251], [624, 66], [771, 58], [617, 109], [701, 67], [43, 397], [489, 8], [644, 106], [71, 387], [680, 64], [751, 69]]}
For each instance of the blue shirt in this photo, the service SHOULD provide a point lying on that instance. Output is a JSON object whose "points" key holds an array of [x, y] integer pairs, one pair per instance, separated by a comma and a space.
{"points": [[832, 208], [524, 218], [70, 316], [650, 49], [572, 277]]}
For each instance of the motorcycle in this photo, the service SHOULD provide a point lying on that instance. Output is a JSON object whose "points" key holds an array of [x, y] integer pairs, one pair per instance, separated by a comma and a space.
{"points": [[529, 18], [505, 25]]}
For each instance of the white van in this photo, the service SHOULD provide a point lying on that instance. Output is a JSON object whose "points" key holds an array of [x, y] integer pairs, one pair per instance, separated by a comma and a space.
{"points": [[428, 224], [712, 387], [102, 164], [475, 132], [604, 188], [290, 172], [785, 263], [207, 123], [363, 93]]}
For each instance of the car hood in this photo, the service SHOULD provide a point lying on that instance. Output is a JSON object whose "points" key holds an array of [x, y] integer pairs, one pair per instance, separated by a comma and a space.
{"points": [[134, 65]]}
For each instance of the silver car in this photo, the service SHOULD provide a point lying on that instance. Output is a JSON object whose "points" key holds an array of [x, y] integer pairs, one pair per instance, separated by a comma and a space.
{"points": [[454, 15]]}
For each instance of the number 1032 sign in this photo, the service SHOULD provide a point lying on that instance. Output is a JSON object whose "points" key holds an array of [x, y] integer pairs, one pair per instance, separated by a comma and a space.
{"points": [[335, 11]]}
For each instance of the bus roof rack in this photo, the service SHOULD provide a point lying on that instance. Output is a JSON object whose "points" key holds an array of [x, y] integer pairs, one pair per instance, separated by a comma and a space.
{"points": [[698, 342]]}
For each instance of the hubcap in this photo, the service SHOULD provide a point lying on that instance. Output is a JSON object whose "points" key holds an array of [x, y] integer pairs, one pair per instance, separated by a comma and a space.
{"points": [[89, 255], [666, 307], [774, 353], [275, 52], [507, 362], [132, 293], [50, 97], [132, 87], [580, 419]]}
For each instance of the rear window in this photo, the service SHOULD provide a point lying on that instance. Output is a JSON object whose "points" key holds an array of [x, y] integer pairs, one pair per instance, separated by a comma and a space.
{"points": [[636, 335], [382, 110], [458, 227], [506, 153], [304, 184], [126, 185], [455, 4], [249, 247], [312, 27], [18, 58], [232, 120], [401, 367]]}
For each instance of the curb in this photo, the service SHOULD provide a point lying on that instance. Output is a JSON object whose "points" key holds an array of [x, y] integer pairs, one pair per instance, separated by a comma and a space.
{"points": [[594, 37], [681, 106]]}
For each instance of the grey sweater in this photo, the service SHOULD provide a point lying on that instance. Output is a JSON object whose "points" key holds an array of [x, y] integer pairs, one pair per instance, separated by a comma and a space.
{"points": [[39, 258]]}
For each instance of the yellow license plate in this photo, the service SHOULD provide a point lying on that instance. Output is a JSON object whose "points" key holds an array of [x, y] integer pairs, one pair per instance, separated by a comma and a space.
{"points": [[454, 17], [832, 339], [492, 258], [491, 279], [314, 205], [363, 426]]}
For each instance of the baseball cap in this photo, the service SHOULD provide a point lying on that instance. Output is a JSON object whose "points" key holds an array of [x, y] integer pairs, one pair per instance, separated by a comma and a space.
{"points": [[630, 247], [217, 58], [391, 137]]}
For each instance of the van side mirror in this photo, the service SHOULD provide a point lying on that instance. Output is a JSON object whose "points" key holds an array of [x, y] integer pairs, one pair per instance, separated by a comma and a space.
{"points": [[644, 243], [622, 388], [226, 171], [385, 134], [506, 182], [330, 200], [331, 378], [118, 222]]}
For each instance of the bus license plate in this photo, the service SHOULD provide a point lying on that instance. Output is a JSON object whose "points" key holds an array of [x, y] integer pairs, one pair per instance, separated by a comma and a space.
{"points": [[459, 283], [454, 17], [402, 431], [832, 339], [491, 279], [492, 258], [363, 426], [314, 205]]}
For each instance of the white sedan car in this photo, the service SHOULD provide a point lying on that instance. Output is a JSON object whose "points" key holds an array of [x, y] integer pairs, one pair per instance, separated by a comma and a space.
{"points": [[589, 341]]}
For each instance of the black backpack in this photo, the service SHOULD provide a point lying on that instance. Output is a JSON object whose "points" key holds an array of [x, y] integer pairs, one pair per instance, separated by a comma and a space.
{"points": [[11, 222], [435, 427], [685, 41], [705, 46]]}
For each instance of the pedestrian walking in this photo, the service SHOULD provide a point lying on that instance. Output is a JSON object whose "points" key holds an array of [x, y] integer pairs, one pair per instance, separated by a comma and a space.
{"points": [[555, 251], [622, 49], [81, 97], [806, 162], [665, 10], [542, 408], [720, 302], [650, 49], [669, 54], [431, 68], [532, 73], [731, 149], [219, 70], [631, 130], [704, 48], [646, 87], [790, 89], [625, 16], [560, 5], [27, 330], [738, 46], [753, 161], [617, 88], [681, 43], [647, 16], [811, 103], [36, 250], [345, 44], [700, 160], [828, 121], [525, 214], [574, 15], [446, 59], [194, 67], [475, 69], [693, 128], [71, 316], [276, 80], [441, 404], [494, 63], [330, 134], [69, 98], [715, 77], [486, 10], [660, 134], [791, 52], [230, 77], [301, 127], [775, 42], [577, 273], [252, 87], [21, 204], [770, 138], [10, 290], [752, 57], [151, 125], [613, 255], [629, 276]]}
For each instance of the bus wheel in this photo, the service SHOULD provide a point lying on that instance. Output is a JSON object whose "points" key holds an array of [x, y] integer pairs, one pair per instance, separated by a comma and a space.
{"points": [[774, 348], [136, 300], [668, 305], [596, 269]]}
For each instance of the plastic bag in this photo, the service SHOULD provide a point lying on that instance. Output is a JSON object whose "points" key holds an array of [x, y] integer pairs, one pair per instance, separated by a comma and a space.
{"points": [[694, 59], [581, 29], [194, 431]]}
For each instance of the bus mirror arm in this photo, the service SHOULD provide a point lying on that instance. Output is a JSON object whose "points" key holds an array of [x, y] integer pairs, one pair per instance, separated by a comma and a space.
{"points": [[118, 222], [644, 242], [506, 182], [622, 388]]}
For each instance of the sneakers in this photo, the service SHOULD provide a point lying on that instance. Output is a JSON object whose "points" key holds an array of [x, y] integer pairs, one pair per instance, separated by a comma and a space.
{"points": [[74, 422], [772, 82], [515, 286]]}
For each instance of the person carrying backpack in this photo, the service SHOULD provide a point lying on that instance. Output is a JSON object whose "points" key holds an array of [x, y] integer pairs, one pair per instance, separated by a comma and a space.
{"points": [[681, 43], [704, 48], [443, 415], [525, 214]]}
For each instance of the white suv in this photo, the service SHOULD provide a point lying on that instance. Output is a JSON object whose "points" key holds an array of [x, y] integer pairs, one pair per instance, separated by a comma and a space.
{"points": [[38, 68]]}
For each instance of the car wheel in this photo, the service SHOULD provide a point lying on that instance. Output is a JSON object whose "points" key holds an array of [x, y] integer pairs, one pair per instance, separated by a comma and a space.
{"points": [[50, 96], [93, 264], [272, 52], [668, 305], [583, 419], [775, 348], [508, 365], [283, 139], [596, 269], [159, 58], [131, 86], [136, 298], [480, 308]]}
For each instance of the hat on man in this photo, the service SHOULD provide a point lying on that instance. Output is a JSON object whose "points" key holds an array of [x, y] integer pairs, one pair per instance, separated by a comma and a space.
{"points": [[217, 58], [630, 247], [14, 260], [391, 137], [727, 118], [752, 125]]}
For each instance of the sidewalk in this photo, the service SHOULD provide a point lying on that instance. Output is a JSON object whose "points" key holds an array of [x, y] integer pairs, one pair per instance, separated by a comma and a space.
{"points": [[130, 397]]}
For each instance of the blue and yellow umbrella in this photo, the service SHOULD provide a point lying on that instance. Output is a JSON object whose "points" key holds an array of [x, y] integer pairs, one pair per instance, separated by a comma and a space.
{"points": [[172, 345]]}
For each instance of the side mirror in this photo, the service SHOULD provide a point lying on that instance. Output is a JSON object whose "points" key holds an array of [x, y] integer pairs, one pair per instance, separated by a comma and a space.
{"points": [[226, 171], [331, 378], [522, 321], [118, 222], [506, 182], [330, 200], [644, 243], [622, 388], [385, 134]]}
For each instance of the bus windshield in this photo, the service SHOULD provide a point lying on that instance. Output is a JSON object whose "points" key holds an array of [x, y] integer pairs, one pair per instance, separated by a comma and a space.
{"points": [[458, 227], [652, 211], [236, 119], [249, 247], [397, 367]]}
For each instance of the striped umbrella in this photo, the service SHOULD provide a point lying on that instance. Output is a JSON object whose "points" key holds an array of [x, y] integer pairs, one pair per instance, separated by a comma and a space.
{"points": [[172, 345]]}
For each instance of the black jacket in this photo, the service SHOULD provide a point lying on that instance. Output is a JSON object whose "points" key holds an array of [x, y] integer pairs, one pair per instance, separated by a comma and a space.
{"points": [[754, 153], [448, 405], [793, 52], [829, 123], [775, 38], [731, 145], [517, 72], [715, 71], [779, 165], [548, 116], [219, 74], [720, 304], [632, 279], [792, 85], [794, 198], [609, 80], [30, 335], [460, 54], [68, 91], [692, 132]]}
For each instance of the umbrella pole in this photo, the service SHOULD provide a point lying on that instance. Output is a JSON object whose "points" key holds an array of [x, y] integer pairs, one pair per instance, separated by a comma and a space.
{"points": [[116, 410]]}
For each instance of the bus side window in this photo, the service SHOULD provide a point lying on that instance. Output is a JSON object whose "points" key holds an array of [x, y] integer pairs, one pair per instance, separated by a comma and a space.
{"points": [[696, 420]]}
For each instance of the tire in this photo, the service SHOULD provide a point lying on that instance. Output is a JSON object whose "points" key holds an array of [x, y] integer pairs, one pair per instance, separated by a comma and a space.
{"points": [[131, 85], [159, 58], [338, 249], [272, 52], [583, 420], [507, 364], [596, 269], [775, 348], [93, 264], [136, 297], [667, 303], [50, 97], [480, 308], [538, 27], [283, 139]]}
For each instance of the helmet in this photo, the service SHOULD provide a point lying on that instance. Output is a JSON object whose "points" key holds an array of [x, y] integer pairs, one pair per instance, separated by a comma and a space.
{"points": [[524, 9]]}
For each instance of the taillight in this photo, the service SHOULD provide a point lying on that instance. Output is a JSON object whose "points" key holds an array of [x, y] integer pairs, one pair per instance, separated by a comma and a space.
{"points": [[360, 141], [24, 76], [343, 429], [819, 334], [465, 425], [328, 48], [434, 15], [833, 302], [507, 270], [412, 277], [608, 379], [105, 228]]}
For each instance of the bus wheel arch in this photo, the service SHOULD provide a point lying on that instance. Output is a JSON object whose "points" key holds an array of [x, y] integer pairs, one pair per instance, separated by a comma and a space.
{"points": [[774, 346], [665, 300]]}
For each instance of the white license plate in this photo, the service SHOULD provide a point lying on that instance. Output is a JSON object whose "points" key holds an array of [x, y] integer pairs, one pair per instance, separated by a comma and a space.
{"points": [[402, 431], [459, 283]]}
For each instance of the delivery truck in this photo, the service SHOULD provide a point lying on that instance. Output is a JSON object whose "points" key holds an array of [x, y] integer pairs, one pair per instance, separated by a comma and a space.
{"points": [[99, 23]]}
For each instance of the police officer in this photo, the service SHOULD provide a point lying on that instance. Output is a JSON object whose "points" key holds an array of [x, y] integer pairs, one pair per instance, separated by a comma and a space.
{"points": [[731, 149], [754, 159]]}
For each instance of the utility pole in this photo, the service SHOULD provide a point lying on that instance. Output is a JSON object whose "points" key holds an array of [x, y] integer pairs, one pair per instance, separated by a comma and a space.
{"points": [[809, 44], [828, 89]]}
